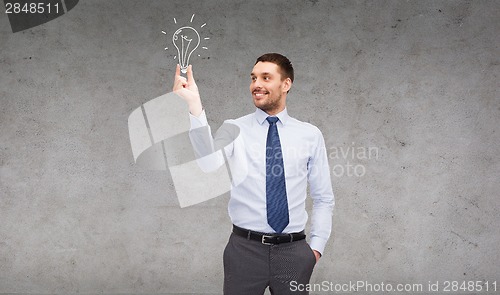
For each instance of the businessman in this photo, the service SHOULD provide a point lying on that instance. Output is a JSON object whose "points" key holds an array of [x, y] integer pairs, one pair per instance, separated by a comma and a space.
{"points": [[267, 247]]}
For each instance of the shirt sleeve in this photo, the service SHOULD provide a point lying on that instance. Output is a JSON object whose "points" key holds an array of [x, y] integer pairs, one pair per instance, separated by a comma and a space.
{"points": [[320, 187], [200, 134], [199, 121]]}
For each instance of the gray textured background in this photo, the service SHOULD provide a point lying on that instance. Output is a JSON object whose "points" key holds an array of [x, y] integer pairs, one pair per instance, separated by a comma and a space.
{"points": [[417, 80]]}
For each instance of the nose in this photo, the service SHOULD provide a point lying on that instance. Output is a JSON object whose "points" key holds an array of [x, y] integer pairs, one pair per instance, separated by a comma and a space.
{"points": [[257, 83]]}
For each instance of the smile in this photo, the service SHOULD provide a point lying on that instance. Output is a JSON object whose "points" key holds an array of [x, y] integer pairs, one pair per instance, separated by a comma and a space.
{"points": [[260, 93]]}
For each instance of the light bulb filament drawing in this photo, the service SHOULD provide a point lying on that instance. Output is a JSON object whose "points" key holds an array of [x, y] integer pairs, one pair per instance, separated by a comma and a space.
{"points": [[186, 35]]}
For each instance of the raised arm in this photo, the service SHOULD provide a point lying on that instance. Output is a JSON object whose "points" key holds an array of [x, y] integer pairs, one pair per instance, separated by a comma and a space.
{"points": [[208, 156]]}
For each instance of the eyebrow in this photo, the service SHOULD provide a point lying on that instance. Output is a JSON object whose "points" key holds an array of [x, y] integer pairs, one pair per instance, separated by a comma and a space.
{"points": [[262, 74]]}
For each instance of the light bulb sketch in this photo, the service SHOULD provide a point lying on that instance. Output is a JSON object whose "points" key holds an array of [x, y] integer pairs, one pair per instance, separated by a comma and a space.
{"points": [[186, 40], [183, 40]]}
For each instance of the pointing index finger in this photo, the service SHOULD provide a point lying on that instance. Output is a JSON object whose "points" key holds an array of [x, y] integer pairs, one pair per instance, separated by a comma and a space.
{"points": [[177, 71]]}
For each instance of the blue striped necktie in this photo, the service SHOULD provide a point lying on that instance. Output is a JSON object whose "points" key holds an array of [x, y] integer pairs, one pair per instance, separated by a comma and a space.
{"points": [[277, 204]]}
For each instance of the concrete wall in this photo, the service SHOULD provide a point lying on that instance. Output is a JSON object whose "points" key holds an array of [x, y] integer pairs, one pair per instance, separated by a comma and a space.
{"points": [[405, 92]]}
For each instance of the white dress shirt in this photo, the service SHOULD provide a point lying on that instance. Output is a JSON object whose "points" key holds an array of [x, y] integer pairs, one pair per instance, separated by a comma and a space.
{"points": [[305, 160]]}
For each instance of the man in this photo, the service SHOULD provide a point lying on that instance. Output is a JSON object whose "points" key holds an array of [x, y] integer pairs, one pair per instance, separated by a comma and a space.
{"points": [[267, 208]]}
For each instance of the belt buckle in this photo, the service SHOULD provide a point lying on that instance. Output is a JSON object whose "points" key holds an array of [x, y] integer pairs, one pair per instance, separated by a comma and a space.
{"points": [[266, 236]]}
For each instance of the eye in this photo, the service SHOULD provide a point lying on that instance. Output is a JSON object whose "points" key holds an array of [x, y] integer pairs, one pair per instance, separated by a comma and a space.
{"points": [[266, 78], [253, 78]]}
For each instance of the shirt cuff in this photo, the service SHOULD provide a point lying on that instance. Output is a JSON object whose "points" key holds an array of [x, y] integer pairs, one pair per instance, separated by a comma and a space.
{"points": [[200, 121], [318, 244]]}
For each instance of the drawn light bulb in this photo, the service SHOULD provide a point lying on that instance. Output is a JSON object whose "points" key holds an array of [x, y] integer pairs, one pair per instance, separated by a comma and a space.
{"points": [[186, 40]]}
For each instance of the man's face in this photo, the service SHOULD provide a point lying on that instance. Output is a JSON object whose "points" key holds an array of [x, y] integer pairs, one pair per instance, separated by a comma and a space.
{"points": [[267, 87]]}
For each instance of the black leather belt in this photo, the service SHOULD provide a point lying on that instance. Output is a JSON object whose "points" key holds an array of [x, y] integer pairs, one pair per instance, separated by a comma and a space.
{"points": [[268, 239]]}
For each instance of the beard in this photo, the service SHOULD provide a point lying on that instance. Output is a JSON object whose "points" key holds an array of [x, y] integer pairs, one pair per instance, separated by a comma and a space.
{"points": [[270, 104]]}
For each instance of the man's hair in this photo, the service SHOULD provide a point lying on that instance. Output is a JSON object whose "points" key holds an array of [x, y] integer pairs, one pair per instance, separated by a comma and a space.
{"points": [[284, 65]]}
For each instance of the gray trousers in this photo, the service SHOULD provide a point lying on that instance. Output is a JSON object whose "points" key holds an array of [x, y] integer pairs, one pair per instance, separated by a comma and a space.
{"points": [[250, 266]]}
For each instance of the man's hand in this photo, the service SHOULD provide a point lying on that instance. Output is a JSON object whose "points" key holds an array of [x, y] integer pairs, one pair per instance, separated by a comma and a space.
{"points": [[317, 254], [187, 89]]}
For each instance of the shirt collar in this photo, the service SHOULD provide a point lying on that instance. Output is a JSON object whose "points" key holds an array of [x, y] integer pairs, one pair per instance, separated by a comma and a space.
{"points": [[261, 116]]}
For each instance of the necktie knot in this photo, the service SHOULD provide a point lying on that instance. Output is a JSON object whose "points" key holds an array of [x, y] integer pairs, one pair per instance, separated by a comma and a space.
{"points": [[272, 120]]}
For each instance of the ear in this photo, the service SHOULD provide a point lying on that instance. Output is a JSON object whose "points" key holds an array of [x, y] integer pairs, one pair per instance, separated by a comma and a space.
{"points": [[287, 84]]}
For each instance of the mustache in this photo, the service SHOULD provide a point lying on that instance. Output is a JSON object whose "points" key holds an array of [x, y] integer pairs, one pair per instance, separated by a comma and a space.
{"points": [[259, 89]]}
